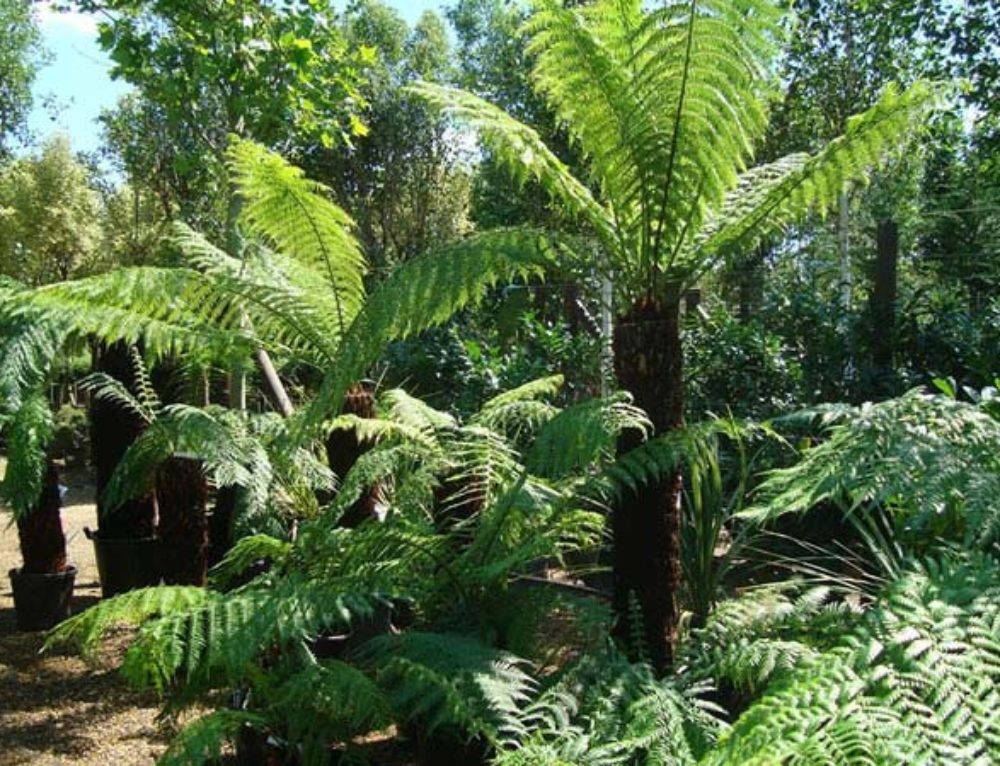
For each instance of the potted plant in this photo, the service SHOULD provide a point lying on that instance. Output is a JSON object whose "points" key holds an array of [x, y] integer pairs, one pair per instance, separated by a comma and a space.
{"points": [[125, 545], [43, 585]]}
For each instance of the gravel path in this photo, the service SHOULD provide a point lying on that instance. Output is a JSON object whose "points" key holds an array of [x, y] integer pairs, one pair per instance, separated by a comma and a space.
{"points": [[55, 710]]}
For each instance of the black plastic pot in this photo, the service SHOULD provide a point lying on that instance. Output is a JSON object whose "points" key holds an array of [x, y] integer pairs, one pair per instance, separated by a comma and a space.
{"points": [[42, 601], [125, 564]]}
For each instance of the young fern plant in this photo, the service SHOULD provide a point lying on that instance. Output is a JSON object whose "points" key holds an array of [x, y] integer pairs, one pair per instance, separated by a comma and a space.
{"points": [[455, 673], [232, 448]]}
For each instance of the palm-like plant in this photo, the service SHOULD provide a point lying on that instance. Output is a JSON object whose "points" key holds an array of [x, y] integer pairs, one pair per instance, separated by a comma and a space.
{"points": [[667, 106], [298, 292], [465, 574], [30, 485]]}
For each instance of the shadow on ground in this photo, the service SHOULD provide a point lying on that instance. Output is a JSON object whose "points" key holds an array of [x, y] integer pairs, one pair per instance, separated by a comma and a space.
{"points": [[57, 709]]}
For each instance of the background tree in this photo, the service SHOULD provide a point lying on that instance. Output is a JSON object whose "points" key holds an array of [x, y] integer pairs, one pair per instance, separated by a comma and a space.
{"points": [[205, 71], [405, 182], [20, 54], [51, 216]]}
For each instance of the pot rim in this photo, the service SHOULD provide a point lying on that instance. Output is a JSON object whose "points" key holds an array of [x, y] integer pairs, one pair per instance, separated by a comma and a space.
{"points": [[70, 570]]}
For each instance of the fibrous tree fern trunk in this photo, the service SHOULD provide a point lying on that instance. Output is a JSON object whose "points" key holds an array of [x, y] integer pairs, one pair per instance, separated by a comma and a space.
{"points": [[182, 494], [343, 448], [113, 429], [646, 521], [43, 544]]}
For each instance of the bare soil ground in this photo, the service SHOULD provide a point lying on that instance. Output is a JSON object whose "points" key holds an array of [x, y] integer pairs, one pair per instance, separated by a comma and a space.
{"points": [[55, 710]]}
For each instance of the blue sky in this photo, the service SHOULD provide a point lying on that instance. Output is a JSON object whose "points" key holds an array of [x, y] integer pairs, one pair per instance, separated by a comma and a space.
{"points": [[76, 79]]}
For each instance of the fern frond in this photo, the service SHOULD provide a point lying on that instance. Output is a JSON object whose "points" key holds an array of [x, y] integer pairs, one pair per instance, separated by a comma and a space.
{"points": [[410, 411], [287, 304], [202, 740], [931, 461], [299, 218], [29, 343], [914, 683], [749, 641], [329, 702], [87, 629], [456, 277], [246, 552], [768, 198], [103, 386], [520, 148], [519, 412], [582, 434], [27, 434], [452, 681]]}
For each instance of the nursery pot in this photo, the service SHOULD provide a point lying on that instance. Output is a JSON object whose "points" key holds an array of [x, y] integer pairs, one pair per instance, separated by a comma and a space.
{"points": [[126, 564], [42, 601]]}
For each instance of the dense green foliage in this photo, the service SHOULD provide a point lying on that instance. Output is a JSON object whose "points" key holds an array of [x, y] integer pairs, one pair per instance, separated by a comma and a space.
{"points": [[424, 254]]}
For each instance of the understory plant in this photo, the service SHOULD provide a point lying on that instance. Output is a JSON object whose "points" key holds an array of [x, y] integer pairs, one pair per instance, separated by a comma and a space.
{"points": [[476, 514]]}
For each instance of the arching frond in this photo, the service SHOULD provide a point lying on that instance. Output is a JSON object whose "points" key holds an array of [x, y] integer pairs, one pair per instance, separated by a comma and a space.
{"points": [[168, 308], [87, 629], [425, 292], [287, 304], [932, 461], [916, 682], [769, 197], [202, 740], [584, 434], [298, 217], [27, 433], [29, 343], [399, 406], [522, 151], [517, 413]]}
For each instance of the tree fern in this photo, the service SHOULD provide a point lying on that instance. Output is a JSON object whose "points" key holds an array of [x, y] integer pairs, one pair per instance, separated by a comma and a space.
{"points": [[931, 461], [915, 683]]}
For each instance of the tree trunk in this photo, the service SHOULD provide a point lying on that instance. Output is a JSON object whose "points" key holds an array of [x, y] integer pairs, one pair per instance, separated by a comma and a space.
{"points": [[343, 448], [113, 429], [220, 527], [43, 545], [883, 303], [844, 252], [182, 493], [750, 283], [646, 522]]}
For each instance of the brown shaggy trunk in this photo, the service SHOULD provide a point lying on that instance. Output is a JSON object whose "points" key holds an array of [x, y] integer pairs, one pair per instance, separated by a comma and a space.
{"points": [[343, 448], [113, 429], [646, 521], [183, 497], [220, 525], [43, 544]]}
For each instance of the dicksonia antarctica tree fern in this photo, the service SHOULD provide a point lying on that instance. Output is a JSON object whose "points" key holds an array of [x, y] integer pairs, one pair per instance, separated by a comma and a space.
{"points": [[667, 103]]}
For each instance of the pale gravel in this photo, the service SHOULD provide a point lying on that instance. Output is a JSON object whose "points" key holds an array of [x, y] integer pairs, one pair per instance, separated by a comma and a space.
{"points": [[55, 709]]}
